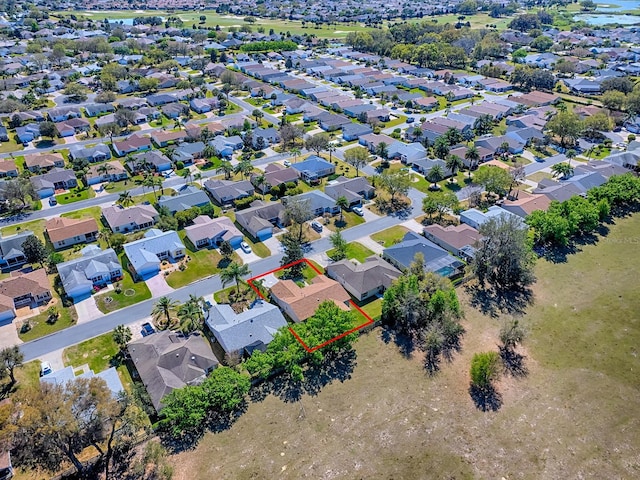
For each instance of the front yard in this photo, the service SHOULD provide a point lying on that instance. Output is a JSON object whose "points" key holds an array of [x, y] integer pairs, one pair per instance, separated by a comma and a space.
{"points": [[75, 195], [350, 219], [130, 292], [390, 236], [203, 263], [355, 251]]}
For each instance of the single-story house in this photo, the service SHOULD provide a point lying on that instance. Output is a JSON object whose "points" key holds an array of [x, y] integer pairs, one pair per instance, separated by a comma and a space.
{"points": [[314, 168], [38, 162], [45, 185], [459, 240], [525, 203], [353, 131], [97, 153], [476, 218], [135, 143], [260, 220], [64, 232], [163, 138], [107, 172], [145, 255], [247, 331], [188, 196], [95, 268], [29, 289], [436, 259], [300, 303], [8, 168], [11, 252], [207, 232], [353, 189], [124, 220], [225, 192], [275, 175], [168, 360], [363, 280], [95, 109], [319, 202], [67, 374], [155, 159]]}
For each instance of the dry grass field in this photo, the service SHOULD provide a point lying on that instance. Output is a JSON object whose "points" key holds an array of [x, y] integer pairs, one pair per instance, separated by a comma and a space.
{"points": [[575, 415]]}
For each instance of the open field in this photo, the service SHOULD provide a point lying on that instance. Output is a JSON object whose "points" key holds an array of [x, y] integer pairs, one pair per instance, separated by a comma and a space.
{"points": [[225, 21], [573, 416]]}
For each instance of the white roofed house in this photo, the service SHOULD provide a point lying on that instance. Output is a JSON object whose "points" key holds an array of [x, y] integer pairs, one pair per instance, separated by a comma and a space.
{"points": [[206, 232]]}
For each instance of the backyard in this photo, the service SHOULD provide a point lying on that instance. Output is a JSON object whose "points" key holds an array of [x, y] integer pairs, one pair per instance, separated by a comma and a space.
{"points": [[573, 416]]}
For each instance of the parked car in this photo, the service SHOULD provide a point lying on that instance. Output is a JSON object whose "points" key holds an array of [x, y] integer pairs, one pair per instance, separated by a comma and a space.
{"points": [[287, 163], [147, 329], [45, 369], [410, 120], [358, 211], [316, 226], [52, 201], [245, 247]]}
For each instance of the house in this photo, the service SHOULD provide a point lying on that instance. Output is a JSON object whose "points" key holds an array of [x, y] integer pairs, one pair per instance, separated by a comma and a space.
{"points": [[585, 86], [372, 140], [494, 143], [23, 290], [265, 137], [426, 103], [11, 253], [28, 133], [72, 126], [160, 99], [436, 259], [174, 110], [95, 109], [459, 240], [247, 331], [154, 159], [8, 168], [163, 138], [330, 122], [67, 374], [124, 220], [476, 218], [146, 254], [314, 168], [61, 114], [95, 268], [525, 203], [6, 469], [525, 135], [188, 196], [300, 303], [354, 131], [4, 135], [225, 192], [203, 105], [275, 175], [97, 153], [319, 202], [188, 152], [260, 220], [38, 162], [407, 152], [47, 184], [225, 146], [207, 232], [135, 143], [363, 280], [353, 189], [167, 360], [107, 172], [64, 232]]}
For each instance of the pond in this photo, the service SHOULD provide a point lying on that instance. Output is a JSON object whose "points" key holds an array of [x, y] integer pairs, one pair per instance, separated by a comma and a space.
{"points": [[605, 19], [618, 6], [124, 21]]}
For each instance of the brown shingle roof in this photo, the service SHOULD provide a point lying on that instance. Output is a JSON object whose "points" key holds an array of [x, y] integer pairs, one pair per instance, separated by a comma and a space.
{"points": [[304, 301], [61, 228], [35, 282]]}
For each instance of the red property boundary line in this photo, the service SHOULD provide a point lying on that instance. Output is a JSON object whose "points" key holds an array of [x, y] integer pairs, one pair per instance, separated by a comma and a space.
{"points": [[304, 345]]}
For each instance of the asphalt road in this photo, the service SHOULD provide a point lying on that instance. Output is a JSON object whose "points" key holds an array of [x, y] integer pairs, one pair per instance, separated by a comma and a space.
{"points": [[135, 313]]}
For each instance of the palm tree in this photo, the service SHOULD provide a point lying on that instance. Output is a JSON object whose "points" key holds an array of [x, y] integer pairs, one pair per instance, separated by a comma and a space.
{"points": [[190, 314], [331, 148], [473, 156], [226, 168], [382, 150], [178, 123], [104, 169], [434, 175], [571, 154], [209, 151], [295, 151], [162, 310], [259, 182], [151, 181], [105, 234], [504, 149], [453, 163], [197, 177], [125, 200], [244, 167], [343, 203], [234, 273], [563, 170]]}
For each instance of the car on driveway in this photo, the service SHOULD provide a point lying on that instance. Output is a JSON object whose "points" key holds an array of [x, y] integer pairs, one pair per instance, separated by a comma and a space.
{"points": [[287, 163], [316, 226], [45, 369], [410, 120], [358, 211], [245, 247], [52, 201], [147, 329]]}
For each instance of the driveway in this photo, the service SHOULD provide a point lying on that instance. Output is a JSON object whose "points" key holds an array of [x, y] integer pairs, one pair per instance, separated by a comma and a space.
{"points": [[87, 310], [158, 286], [9, 336], [273, 244], [247, 257]]}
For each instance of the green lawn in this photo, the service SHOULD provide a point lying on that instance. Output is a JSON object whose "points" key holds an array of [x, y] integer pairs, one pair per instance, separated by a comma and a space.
{"points": [[95, 212], [232, 108], [390, 236], [151, 197], [11, 146], [28, 375], [122, 185], [99, 353], [75, 195], [355, 251], [350, 219], [395, 122], [132, 292], [372, 307], [538, 176], [259, 248], [36, 226], [203, 263], [39, 325]]}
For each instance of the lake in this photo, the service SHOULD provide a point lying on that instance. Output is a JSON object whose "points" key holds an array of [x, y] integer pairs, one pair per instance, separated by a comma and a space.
{"points": [[618, 6], [124, 21], [604, 19]]}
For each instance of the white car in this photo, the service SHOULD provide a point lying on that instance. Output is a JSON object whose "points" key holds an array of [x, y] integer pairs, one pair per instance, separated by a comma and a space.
{"points": [[245, 247], [316, 226], [287, 163], [45, 369], [358, 211]]}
